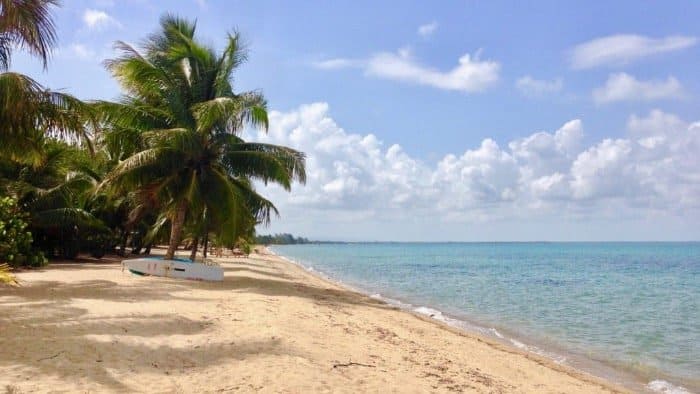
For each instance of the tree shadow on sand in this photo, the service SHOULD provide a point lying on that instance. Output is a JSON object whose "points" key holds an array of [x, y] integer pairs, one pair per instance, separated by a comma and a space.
{"points": [[43, 328], [54, 338]]}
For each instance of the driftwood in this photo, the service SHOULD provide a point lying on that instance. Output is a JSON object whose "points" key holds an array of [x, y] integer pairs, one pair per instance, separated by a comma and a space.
{"points": [[350, 364], [50, 357]]}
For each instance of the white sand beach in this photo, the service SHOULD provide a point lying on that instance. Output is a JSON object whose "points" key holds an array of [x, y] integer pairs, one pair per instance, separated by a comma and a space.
{"points": [[270, 326]]}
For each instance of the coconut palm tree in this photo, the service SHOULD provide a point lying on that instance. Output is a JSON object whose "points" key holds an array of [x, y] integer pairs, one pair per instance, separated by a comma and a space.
{"points": [[27, 108], [26, 24], [55, 193], [179, 101]]}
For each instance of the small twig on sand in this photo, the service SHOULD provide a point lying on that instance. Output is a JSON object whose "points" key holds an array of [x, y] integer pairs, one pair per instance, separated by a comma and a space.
{"points": [[50, 357], [350, 364]]}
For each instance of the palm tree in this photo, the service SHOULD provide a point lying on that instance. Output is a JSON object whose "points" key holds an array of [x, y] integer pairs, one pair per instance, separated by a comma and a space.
{"points": [[27, 109], [179, 101], [32, 165], [55, 193], [28, 25]]}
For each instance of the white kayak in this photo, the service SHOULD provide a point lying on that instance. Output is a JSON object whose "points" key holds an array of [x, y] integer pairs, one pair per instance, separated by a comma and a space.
{"points": [[180, 268]]}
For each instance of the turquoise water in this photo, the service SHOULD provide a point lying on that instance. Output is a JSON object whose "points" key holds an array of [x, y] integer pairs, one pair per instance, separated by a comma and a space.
{"points": [[630, 307]]}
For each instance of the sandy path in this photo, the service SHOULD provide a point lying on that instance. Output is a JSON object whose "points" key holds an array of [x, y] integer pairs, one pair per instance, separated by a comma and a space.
{"points": [[269, 327]]}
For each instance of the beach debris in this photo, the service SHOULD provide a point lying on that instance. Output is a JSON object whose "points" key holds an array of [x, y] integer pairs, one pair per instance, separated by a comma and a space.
{"points": [[50, 357], [351, 363]]}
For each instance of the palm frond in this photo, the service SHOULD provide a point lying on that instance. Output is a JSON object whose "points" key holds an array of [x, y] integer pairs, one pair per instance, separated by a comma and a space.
{"points": [[66, 218], [27, 24], [266, 162], [27, 108]]}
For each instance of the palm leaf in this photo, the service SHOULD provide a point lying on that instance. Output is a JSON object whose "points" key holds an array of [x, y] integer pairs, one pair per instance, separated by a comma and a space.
{"points": [[27, 24], [67, 218]]}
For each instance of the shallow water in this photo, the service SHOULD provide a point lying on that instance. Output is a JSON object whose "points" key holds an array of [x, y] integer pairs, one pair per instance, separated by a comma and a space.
{"points": [[630, 306]]}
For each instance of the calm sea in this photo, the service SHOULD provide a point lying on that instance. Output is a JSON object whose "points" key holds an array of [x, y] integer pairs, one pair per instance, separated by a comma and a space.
{"points": [[629, 311]]}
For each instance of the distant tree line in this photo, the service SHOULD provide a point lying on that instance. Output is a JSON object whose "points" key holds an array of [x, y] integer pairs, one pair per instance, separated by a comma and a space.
{"points": [[280, 239]]}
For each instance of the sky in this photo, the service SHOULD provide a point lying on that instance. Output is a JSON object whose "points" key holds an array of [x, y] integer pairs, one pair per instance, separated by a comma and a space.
{"points": [[471, 121]]}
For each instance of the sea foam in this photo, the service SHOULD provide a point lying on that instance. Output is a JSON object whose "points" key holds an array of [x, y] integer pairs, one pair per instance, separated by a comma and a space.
{"points": [[662, 386]]}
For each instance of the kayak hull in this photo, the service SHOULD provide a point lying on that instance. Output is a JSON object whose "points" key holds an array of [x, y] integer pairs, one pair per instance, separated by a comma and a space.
{"points": [[174, 269]]}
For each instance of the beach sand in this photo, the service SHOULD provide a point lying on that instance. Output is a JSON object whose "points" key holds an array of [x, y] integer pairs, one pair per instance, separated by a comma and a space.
{"points": [[270, 326]]}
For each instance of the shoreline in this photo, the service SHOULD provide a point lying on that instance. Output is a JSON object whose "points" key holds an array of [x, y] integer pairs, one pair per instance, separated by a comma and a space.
{"points": [[555, 354], [461, 326], [270, 326]]}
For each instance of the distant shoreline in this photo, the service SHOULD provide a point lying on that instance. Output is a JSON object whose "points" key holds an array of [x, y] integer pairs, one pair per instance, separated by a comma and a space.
{"points": [[482, 242]]}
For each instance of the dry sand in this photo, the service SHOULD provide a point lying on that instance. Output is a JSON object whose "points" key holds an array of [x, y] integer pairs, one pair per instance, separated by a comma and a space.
{"points": [[270, 326]]}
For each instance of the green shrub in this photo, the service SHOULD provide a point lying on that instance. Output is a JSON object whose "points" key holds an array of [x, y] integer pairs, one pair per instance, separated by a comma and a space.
{"points": [[15, 241]]}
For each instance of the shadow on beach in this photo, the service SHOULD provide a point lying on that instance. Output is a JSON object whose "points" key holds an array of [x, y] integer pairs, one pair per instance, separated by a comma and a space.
{"points": [[44, 329]]}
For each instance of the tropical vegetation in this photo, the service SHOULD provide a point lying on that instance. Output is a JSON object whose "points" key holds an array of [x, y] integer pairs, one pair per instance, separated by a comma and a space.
{"points": [[280, 239], [164, 163]]}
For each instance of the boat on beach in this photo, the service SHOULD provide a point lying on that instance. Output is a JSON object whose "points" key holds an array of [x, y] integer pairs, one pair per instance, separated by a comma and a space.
{"points": [[177, 268]]}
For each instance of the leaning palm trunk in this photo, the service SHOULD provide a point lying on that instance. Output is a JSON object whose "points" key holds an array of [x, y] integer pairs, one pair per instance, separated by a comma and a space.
{"points": [[206, 244], [195, 244], [176, 229]]}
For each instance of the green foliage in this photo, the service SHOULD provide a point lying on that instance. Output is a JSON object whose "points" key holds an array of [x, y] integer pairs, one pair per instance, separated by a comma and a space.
{"points": [[15, 239], [86, 177], [26, 24], [280, 239], [244, 246], [6, 277], [180, 121]]}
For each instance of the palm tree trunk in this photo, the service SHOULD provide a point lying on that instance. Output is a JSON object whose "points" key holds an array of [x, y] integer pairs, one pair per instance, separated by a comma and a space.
{"points": [[176, 229], [206, 243], [122, 243], [195, 243]]}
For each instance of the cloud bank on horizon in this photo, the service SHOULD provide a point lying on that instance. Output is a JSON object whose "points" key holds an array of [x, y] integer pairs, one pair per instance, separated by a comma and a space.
{"points": [[653, 171]]}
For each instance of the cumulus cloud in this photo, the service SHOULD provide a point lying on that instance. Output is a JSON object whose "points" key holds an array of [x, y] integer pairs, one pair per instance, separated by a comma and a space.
{"points": [[427, 29], [96, 19], [621, 49], [470, 75], [655, 168], [532, 87], [625, 87]]}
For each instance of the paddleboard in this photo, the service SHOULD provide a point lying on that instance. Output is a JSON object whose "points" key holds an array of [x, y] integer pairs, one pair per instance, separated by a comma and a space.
{"points": [[179, 268]]}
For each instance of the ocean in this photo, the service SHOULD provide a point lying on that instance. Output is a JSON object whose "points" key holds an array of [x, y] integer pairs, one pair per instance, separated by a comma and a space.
{"points": [[629, 312]]}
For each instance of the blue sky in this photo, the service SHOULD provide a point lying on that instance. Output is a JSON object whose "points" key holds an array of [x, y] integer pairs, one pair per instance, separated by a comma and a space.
{"points": [[462, 89]]}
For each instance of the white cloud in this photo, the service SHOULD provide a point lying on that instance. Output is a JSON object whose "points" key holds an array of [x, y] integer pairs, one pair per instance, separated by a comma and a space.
{"points": [[427, 29], [96, 19], [337, 63], [625, 87], [603, 170], [470, 75], [202, 4], [621, 49], [532, 87], [355, 178]]}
